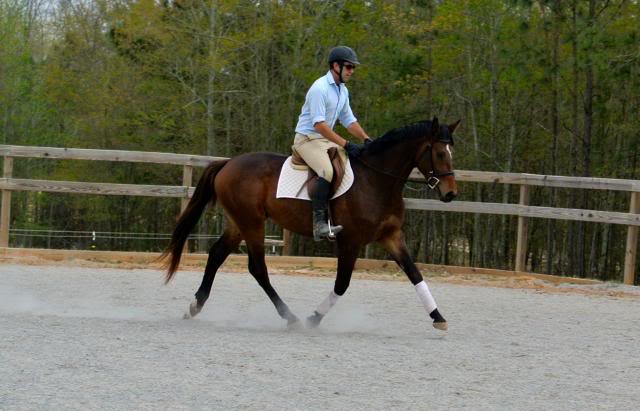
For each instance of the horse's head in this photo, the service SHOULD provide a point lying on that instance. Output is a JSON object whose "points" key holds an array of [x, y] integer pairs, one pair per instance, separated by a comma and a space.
{"points": [[435, 160]]}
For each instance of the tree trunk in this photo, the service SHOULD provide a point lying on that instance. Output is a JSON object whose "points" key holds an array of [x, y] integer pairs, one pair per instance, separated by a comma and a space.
{"points": [[426, 220], [212, 149], [445, 240], [587, 134], [504, 235], [574, 256], [555, 121], [490, 250], [476, 255]]}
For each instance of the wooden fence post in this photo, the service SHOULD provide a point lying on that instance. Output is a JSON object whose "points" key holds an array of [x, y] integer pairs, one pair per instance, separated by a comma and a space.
{"points": [[187, 179], [286, 241], [5, 213], [632, 242], [523, 222]]}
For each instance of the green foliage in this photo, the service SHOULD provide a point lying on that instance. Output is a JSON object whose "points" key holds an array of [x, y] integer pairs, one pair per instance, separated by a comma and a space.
{"points": [[229, 76]]}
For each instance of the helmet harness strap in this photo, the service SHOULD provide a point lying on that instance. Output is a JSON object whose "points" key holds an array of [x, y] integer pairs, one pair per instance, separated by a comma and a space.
{"points": [[339, 73]]}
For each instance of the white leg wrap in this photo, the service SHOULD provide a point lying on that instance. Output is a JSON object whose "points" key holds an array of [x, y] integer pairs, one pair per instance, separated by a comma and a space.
{"points": [[425, 297], [328, 302]]}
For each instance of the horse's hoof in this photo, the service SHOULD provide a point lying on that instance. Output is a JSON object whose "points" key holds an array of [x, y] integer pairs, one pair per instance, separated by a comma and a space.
{"points": [[194, 309], [444, 326], [294, 323], [313, 321]]}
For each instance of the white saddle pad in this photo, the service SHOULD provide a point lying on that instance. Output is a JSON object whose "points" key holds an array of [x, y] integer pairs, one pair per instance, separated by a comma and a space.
{"points": [[291, 181]]}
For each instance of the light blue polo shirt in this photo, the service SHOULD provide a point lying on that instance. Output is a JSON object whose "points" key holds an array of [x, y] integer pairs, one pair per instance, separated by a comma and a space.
{"points": [[326, 102]]}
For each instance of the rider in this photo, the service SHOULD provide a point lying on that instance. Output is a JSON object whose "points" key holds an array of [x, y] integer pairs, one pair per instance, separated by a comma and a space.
{"points": [[327, 101]]}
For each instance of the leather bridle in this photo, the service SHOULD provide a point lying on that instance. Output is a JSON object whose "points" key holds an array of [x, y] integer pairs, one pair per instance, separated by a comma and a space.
{"points": [[432, 179]]}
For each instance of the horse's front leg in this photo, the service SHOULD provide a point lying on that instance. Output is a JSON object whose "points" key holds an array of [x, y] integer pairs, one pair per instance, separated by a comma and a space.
{"points": [[347, 256], [395, 245]]}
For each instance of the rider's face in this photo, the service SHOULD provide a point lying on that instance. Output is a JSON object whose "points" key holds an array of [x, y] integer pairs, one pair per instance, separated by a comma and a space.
{"points": [[347, 70]]}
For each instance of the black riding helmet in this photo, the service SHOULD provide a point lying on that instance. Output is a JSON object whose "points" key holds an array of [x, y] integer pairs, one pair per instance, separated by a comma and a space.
{"points": [[341, 54]]}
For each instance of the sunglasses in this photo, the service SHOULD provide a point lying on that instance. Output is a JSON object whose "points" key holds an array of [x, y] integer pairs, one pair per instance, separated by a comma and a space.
{"points": [[349, 66]]}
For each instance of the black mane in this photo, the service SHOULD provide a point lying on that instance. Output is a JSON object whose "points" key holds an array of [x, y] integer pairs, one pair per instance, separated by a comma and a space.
{"points": [[420, 129], [392, 137]]}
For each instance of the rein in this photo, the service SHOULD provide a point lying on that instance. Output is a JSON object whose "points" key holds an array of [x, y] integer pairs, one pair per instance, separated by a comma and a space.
{"points": [[432, 178]]}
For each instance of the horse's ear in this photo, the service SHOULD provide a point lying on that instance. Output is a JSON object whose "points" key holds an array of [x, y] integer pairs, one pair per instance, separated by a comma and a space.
{"points": [[435, 126], [452, 127]]}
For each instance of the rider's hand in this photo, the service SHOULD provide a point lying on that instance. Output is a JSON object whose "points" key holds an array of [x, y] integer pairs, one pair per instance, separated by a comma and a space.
{"points": [[352, 149]]}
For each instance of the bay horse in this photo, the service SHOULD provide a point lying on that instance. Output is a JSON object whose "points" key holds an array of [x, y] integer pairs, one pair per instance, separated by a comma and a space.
{"points": [[371, 210]]}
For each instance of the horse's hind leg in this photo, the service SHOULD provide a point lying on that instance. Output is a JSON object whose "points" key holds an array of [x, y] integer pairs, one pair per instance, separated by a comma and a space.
{"points": [[347, 256], [258, 269], [217, 254]]}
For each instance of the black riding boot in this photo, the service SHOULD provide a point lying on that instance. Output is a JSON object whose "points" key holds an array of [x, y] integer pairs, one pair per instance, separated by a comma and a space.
{"points": [[320, 203]]}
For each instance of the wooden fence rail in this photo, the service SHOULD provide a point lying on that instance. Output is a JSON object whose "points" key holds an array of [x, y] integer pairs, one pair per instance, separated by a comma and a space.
{"points": [[522, 210]]}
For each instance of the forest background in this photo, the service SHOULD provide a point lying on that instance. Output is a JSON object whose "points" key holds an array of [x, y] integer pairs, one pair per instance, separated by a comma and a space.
{"points": [[547, 87]]}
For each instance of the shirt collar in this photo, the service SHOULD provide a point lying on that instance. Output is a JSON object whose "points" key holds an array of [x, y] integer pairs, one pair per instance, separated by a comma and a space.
{"points": [[329, 77]]}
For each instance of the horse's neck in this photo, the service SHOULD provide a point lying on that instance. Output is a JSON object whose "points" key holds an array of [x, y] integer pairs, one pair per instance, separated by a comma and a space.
{"points": [[390, 169], [398, 160]]}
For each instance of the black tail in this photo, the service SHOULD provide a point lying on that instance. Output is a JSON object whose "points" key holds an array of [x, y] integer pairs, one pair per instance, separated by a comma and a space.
{"points": [[204, 194]]}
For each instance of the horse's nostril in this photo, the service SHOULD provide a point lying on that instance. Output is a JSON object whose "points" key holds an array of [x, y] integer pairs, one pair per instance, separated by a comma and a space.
{"points": [[449, 196]]}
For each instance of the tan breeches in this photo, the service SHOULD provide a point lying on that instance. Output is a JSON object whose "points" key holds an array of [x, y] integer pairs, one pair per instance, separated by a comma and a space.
{"points": [[313, 150]]}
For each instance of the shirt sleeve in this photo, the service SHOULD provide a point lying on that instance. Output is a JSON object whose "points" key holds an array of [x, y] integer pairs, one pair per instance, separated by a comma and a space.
{"points": [[317, 105], [346, 115]]}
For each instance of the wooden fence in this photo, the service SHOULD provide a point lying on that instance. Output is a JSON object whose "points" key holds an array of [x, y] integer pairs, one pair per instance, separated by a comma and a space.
{"points": [[184, 191]]}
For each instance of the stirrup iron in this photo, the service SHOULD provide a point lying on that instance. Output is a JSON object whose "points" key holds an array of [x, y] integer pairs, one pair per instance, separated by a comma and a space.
{"points": [[332, 235]]}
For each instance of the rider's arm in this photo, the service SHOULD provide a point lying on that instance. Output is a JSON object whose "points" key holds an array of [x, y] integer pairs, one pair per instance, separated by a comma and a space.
{"points": [[323, 129], [355, 130], [350, 122]]}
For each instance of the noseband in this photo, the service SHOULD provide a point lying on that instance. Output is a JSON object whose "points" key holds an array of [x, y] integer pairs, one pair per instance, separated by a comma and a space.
{"points": [[432, 177]]}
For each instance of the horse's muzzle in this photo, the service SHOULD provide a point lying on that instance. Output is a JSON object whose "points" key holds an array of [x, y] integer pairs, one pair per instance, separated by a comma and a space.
{"points": [[448, 197]]}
